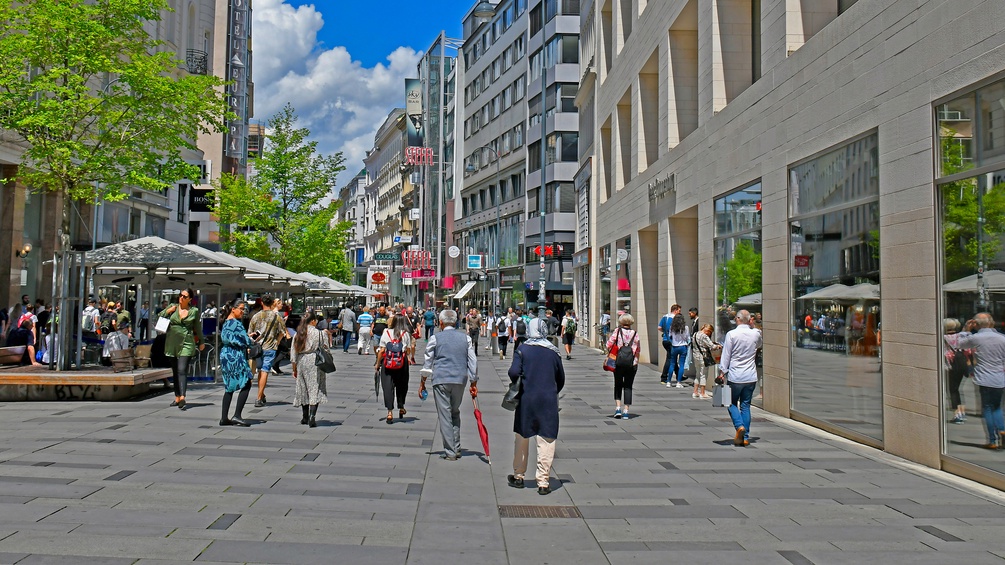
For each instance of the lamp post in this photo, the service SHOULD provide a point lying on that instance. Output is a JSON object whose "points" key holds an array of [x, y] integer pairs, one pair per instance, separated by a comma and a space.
{"points": [[496, 303]]}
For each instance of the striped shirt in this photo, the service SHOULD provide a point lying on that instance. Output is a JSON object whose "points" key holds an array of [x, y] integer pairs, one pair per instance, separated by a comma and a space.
{"points": [[365, 320]]}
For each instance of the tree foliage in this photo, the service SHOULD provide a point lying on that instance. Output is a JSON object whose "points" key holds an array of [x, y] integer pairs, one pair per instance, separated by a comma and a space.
{"points": [[95, 102], [741, 275], [964, 202], [282, 205]]}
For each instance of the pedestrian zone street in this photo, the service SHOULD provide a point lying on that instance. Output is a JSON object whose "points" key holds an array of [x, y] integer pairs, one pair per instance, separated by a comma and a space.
{"points": [[142, 482]]}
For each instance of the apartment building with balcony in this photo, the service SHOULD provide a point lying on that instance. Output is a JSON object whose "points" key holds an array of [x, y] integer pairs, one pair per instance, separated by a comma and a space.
{"points": [[197, 34], [505, 59], [830, 166], [352, 209]]}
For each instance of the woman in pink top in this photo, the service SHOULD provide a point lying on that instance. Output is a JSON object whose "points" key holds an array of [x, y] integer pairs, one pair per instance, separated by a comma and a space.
{"points": [[624, 336]]}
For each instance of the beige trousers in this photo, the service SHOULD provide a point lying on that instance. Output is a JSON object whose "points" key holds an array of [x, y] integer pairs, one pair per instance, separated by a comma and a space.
{"points": [[545, 457]]}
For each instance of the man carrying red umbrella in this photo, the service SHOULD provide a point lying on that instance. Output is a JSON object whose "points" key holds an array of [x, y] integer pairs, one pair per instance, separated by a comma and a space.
{"points": [[538, 364]]}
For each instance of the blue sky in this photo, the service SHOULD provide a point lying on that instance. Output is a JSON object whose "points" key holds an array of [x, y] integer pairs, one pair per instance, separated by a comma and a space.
{"points": [[342, 65], [352, 24]]}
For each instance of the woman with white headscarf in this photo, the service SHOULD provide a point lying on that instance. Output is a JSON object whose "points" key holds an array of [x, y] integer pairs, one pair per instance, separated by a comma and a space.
{"points": [[539, 363]]}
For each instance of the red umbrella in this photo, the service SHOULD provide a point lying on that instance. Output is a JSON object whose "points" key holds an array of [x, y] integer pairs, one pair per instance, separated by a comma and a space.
{"points": [[482, 432]]}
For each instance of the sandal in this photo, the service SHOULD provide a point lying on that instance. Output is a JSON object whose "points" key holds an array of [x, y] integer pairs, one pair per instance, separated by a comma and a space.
{"points": [[402, 412], [390, 418]]}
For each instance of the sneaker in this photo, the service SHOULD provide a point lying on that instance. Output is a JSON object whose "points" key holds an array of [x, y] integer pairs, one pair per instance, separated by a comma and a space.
{"points": [[959, 419], [568, 357], [669, 384], [514, 482], [678, 385], [624, 415], [259, 403], [617, 414], [695, 395]]}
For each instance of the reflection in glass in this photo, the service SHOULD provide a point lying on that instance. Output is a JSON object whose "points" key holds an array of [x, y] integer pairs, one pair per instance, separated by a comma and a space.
{"points": [[738, 264], [836, 355], [956, 134], [605, 290], [973, 224], [622, 261]]}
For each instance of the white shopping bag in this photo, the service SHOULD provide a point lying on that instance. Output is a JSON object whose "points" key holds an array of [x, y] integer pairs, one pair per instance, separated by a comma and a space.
{"points": [[721, 396]]}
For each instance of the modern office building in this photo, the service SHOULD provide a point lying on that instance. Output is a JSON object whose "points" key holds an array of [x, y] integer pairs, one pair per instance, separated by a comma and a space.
{"points": [[517, 64], [832, 165], [438, 76], [352, 209]]}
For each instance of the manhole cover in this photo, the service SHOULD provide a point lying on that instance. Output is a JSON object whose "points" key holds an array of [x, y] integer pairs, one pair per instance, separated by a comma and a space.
{"points": [[522, 511]]}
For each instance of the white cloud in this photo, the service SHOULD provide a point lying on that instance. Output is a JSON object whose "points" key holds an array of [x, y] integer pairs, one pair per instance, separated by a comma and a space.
{"points": [[338, 99]]}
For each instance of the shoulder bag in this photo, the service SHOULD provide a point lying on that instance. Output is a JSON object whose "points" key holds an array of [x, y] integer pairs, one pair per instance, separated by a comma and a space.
{"points": [[612, 354], [512, 397], [323, 360]]}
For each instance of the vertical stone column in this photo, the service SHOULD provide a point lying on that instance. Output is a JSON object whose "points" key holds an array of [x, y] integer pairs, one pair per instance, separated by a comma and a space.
{"points": [[11, 237]]}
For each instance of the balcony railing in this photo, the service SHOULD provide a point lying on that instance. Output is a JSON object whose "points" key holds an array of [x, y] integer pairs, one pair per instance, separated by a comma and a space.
{"points": [[197, 62]]}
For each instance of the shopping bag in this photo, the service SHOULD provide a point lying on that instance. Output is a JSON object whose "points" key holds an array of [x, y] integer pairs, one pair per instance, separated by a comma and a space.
{"points": [[721, 396], [162, 324], [612, 358]]}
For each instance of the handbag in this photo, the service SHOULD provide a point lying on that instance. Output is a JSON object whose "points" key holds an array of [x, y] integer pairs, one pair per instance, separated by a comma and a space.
{"points": [[512, 397], [162, 324], [721, 396], [324, 361], [707, 358], [612, 354]]}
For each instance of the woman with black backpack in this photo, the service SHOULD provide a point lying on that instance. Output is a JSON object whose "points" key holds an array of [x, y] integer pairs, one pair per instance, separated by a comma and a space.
{"points": [[626, 340]]}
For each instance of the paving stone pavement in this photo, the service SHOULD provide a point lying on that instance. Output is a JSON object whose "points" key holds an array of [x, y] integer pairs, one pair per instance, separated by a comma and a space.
{"points": [[141, 482]]}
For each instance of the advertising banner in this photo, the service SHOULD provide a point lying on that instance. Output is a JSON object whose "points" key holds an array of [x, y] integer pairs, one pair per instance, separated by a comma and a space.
{"points": [[413, 111]]}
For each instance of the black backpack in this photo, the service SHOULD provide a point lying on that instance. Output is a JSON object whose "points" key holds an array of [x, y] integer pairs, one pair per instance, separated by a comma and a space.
{"points": [[626, 357], [107, 321], [501, 326], [521, 327]]}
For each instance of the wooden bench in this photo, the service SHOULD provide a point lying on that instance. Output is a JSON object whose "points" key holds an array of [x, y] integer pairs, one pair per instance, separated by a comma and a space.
{"points": [[12, 355]]}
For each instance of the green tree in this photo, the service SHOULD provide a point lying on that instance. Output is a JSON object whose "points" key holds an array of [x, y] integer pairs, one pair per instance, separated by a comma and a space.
{"points": [[95, 102], [963, 204], [282, 205], [741, 275]]}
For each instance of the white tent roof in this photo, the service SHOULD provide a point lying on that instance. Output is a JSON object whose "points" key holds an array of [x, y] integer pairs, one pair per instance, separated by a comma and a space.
{"points": [[994, 281]]}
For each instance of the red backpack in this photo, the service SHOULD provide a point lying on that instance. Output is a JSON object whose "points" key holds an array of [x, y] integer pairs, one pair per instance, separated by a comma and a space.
{"points": [[394, 354]]}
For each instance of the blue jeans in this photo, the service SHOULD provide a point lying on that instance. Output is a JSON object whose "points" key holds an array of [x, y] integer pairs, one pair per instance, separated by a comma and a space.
{"points": [[739, 409], [346, 338], [665, 375], [991, 403], [678, 353]]}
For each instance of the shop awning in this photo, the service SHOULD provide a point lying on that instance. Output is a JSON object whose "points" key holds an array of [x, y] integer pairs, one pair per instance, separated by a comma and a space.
{"points": [[465, 289]]}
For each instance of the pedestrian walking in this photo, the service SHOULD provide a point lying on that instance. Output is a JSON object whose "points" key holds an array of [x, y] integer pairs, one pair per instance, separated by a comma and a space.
{"points": [[347, 323], [393, 363], [473, 322], [695, 326], [680, 342], [738, 368], [704, 360], [450, 361], [365, 321], [266, 327], [504, 333], [311, 389], [234, 363], [664, 328], [989, 374], [569, 327], [429, 319], [520, 322], [182, 339], [538, 366], [144, 316], [624, 377]]}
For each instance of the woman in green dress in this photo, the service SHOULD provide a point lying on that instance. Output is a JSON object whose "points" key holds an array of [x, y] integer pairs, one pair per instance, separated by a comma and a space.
{"points": [[180, 342]]}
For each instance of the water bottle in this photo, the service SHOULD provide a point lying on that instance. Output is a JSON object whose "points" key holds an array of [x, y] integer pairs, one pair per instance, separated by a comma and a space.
{"points": [[424, 394]]}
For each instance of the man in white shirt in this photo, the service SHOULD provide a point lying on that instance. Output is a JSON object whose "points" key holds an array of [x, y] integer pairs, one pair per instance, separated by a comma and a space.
{"points": [[738, 367]]}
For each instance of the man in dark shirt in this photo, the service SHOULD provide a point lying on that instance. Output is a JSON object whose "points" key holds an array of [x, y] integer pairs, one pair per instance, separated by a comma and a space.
{"points": [[24, 336]]}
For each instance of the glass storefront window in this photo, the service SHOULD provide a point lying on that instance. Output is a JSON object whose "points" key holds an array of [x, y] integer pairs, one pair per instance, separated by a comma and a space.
{"points": [[604, 268], [622, 259], [972, 221], [738, 264], [836, 374]]}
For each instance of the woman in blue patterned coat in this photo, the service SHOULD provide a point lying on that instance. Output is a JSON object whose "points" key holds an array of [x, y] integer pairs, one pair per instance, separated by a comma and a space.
{"points": [[234, 362]]}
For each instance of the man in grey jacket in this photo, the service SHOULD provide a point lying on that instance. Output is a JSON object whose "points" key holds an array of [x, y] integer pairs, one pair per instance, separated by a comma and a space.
{"points": [[450, 361]]}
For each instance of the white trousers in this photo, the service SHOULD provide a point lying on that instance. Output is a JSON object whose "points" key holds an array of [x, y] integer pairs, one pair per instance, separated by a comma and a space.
{"points": [[545, 457], [363, 343]]}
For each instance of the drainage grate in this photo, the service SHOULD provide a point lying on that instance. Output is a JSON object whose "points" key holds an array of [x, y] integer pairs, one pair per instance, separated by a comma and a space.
{"points": [[518, 511]]}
